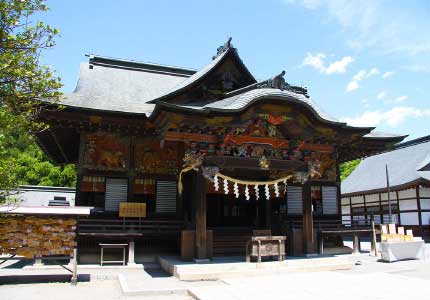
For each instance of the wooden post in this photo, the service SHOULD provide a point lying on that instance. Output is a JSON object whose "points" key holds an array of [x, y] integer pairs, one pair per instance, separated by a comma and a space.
{"points": [[80, 167], [356, 243], [308, 230], [268, 210], [420, 220], [74, 280], [200, 202], [131, 253], [373, 249]]}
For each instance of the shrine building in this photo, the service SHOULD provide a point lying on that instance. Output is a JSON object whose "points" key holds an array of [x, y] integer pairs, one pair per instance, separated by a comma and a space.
{"points": [[212, 154]]}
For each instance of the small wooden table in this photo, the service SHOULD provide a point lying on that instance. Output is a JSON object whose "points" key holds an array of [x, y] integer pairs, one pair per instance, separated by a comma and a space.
{"points": [[112, 246], [266, 246], [355, 232]]}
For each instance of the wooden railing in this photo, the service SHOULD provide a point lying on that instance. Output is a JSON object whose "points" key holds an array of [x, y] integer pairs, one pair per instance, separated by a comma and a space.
{"points": [[93, 227]]}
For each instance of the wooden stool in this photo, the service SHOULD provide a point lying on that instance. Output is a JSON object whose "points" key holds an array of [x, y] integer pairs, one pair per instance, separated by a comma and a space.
{"points": [[112, 246]]}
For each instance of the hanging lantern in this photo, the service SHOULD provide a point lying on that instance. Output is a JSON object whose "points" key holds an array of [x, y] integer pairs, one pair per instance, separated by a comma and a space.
{"points": [[216, 183], [276, 190], [257, 194], [267, 192], [236, 190], [225, 186], [247, 192]]}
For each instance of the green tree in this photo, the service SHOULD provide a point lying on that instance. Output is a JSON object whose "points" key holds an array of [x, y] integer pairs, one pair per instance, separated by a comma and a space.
{"points": [[346, 168], [23, 81]]}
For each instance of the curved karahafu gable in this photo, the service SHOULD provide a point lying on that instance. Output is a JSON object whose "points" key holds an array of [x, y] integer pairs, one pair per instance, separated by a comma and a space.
{"points": [[135, 97]]}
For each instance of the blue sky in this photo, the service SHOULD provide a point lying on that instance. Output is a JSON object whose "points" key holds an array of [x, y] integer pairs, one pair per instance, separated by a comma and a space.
{"points": [[364, 62]]}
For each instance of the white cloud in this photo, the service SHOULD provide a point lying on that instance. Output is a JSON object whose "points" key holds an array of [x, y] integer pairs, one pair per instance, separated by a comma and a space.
{"points": [[396, 100], [388, 74], [362, 74], [378, 25], [339, 66], [317, 62], [381, 95], [393, 117], [352, 85], [373, 71]]}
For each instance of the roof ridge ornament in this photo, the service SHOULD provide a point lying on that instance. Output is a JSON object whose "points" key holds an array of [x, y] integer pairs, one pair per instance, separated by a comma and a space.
{"points": [[221, 49], [278, 82]]}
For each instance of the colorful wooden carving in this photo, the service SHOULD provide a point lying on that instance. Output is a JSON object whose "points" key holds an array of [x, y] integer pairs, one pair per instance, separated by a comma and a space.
{"points": [[150, 157], [247, 139], [144, 186], [185, 136], [93, 184], [105, 151]]}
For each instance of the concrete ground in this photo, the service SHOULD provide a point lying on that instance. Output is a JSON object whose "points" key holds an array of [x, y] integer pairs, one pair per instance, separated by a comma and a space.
{"points": [[369, 279]]}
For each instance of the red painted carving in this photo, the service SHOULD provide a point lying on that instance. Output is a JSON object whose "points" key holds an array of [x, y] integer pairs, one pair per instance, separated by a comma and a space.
{"points": [[246, 139]]}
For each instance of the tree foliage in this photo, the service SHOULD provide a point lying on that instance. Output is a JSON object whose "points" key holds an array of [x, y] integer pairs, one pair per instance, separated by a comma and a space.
{"points": [[29, 165], [346, 168], [24, 82]]}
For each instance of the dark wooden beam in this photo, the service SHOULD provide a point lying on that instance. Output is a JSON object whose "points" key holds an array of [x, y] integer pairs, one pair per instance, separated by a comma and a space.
{"points": [[308, 230], [63, 154], [249, 163], [200, 203]]}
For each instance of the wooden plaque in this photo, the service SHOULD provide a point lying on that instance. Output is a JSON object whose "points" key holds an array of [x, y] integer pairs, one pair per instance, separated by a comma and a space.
{"points": [[132, 210]]}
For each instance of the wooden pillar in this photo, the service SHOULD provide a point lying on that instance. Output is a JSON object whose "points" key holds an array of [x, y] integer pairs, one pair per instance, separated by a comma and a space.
{"points": [[200, 216], [308, 230], [268, 211], [80, 169], [398, 208], [130, 170], [131, 260], [420, 220]]}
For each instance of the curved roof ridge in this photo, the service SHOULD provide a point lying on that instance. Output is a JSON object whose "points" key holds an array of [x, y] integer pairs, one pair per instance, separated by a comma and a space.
{"points": [[241, 100]]}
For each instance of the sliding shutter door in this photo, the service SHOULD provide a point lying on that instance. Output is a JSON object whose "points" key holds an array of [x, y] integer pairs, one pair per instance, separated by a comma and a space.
{"points": [[166, 197], [329, 199], [294, 200], [116, 192]]}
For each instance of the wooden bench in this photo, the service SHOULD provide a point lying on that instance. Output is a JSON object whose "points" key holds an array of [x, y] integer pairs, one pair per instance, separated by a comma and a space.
{"points": [[112, 246], [266, 246]]}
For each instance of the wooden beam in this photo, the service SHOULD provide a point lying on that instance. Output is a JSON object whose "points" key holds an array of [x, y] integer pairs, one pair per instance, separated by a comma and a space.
{"points": [[200, 202], [253, 163], [63, 154], [308, 230]]}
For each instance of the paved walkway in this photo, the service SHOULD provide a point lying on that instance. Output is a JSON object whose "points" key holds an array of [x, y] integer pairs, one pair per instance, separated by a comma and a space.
{"points": [[318, 285], [368, 280]]}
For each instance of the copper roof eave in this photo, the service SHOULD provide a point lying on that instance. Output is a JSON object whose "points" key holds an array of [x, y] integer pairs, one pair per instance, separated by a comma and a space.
{"points": [[209, 110], [97, 110]]}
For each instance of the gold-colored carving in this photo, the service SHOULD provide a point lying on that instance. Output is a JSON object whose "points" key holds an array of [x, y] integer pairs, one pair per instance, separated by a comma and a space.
{"points": [[264, 163]]}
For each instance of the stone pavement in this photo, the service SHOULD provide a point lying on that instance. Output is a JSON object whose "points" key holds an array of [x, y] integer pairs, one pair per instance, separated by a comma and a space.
{"points": [[318, 285], [368, 279]]}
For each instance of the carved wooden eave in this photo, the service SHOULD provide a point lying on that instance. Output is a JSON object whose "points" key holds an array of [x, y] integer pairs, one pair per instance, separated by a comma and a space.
{"points": [[186, 90]]}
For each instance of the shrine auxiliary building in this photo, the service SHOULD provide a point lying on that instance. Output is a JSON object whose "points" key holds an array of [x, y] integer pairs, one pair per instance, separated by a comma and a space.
{"points": [[245, 155]]}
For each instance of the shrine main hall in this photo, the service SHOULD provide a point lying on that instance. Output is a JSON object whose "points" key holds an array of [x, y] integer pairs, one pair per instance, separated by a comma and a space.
{"points": [[212, 156]]}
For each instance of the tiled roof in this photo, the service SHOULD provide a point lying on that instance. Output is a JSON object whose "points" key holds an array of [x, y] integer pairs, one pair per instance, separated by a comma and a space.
{"points": [[122, 88], [405, 165]]}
